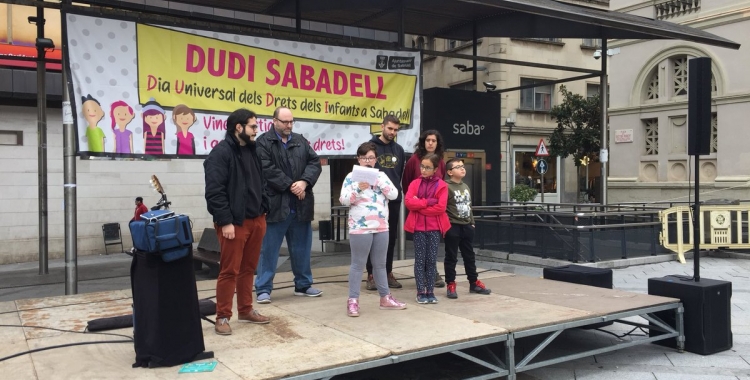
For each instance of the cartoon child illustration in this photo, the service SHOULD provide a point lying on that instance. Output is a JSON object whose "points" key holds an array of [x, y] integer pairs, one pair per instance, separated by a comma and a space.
{"points": [[93, 113], [153, 127], [122, 114], [184, 118]]}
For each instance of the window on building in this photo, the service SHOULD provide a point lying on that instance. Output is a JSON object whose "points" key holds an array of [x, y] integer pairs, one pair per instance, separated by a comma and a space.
{"points": [[652, 91], [714, 133], [538, 98], [451, 44], [592, 42], [591, 90], [545, 39], [652, 136], [525, 171], [680, 75], [420, 43]]}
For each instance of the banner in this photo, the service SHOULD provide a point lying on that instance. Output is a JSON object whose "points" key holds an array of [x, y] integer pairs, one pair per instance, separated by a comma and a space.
{"points": [[150, 90]]}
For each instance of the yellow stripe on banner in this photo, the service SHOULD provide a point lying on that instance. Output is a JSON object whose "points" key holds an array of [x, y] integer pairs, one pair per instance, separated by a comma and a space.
{"points": [[212, 75]]}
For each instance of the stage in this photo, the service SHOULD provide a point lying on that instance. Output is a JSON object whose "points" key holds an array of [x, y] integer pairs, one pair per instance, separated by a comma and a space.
{"points": [[311, 338]]}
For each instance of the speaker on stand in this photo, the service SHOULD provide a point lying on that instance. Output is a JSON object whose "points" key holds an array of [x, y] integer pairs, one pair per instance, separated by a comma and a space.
{"points": [[707, 317]]}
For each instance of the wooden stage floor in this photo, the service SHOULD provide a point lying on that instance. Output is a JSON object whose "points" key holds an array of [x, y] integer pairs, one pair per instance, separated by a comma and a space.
{"points": [[309, 335]]}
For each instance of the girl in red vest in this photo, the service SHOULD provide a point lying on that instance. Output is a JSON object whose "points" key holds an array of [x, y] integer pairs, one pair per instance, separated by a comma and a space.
{"points": [[426, 199]]}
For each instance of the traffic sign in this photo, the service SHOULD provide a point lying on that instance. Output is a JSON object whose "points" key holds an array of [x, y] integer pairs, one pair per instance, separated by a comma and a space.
{"points": [[541, 149], [541, 166]]}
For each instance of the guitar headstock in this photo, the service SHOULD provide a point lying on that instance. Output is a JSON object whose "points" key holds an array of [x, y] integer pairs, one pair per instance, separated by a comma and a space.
{"points": [[156, 184]]}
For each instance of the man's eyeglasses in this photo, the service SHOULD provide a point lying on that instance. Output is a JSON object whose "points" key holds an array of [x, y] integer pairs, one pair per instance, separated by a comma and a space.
{"points": [[457, 167], [367, 159], [252, 126], [427, 168], [286, 122]]}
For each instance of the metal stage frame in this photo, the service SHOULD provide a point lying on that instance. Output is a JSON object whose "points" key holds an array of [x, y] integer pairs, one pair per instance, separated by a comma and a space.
{"points": [[509, 366]]}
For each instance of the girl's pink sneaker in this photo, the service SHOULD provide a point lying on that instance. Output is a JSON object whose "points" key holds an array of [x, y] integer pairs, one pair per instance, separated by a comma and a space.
{"points": [[352, 307], [390, 303]]}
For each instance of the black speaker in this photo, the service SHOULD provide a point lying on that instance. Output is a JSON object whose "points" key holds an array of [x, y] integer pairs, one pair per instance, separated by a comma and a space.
{"points": [[699, 106], [325, 230], [578, 274], [707, 318]]}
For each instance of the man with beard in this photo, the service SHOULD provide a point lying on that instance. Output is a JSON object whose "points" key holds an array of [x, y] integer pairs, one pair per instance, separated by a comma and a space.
{"points": [[235, 199], [391, 162], [291, 168]]}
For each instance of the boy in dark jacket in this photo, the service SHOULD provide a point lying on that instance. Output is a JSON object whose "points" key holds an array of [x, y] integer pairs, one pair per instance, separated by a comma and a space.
{"points": [[461, 233]]}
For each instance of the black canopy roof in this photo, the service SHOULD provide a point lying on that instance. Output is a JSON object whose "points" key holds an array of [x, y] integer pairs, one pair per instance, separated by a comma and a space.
{"points": [[455, 19]]}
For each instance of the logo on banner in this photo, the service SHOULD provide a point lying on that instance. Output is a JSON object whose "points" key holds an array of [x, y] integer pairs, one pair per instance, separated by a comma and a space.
{"points": [[467, 128], [400, 63], [382, 62]]}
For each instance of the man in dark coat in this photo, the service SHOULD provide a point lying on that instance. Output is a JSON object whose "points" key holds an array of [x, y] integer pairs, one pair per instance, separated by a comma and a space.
{"points": [[291, 168], [235, 199]]}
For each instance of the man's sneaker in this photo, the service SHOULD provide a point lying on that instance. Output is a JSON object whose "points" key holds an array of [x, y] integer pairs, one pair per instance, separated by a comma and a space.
{"points": [[263, 298], [452, 290], [439, 283], [479, 288], [352, 307], [422, 298], [309, 292], [431, 298], [390, 303], [370, 283], [392, 283], [253, 317], [222, 327]]}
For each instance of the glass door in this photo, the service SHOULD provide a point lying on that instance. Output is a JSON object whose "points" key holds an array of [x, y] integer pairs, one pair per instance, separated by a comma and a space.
{"points": [[525, 172]]}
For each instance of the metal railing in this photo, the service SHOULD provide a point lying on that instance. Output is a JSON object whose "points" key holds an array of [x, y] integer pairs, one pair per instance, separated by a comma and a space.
{"points": [[339, 215], [722, 227], [573, 232]]}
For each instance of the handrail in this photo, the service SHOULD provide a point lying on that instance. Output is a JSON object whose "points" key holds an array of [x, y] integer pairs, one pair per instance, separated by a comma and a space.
{"points": [[724, 226]]}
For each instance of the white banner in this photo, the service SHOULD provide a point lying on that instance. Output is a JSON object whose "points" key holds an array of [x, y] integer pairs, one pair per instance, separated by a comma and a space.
{"points": [[149, 90]]}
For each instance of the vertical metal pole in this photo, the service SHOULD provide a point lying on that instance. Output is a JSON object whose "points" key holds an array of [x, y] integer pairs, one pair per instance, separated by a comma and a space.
{"points": [[542, 187], [511, 180], [474, 41], [298, 16], [401, 232], [69, 190], [41, 106], [69, 173], [401, 35], [697, 221], [604, 155]]}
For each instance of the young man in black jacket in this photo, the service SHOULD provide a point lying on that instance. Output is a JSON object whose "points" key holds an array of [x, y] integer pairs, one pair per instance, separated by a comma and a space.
{"points": [[391, 161], [235, 199], [291, 168]]}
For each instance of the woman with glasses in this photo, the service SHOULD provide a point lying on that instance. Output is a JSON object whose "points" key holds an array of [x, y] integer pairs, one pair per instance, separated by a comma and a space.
{"points": [[426, 199], [430, 141], [368, 230]]}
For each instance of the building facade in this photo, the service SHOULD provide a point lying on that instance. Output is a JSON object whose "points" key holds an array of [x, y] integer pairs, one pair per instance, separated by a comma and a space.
{"points": [[525, 113], [649, 105]]}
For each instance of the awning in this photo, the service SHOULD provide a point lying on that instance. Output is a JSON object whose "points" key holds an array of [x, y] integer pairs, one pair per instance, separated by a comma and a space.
{"points": [[456, 19]]}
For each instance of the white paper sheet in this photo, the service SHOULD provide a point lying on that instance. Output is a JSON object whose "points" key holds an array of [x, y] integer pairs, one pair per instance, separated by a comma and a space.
{"points": [[365, 174]]}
